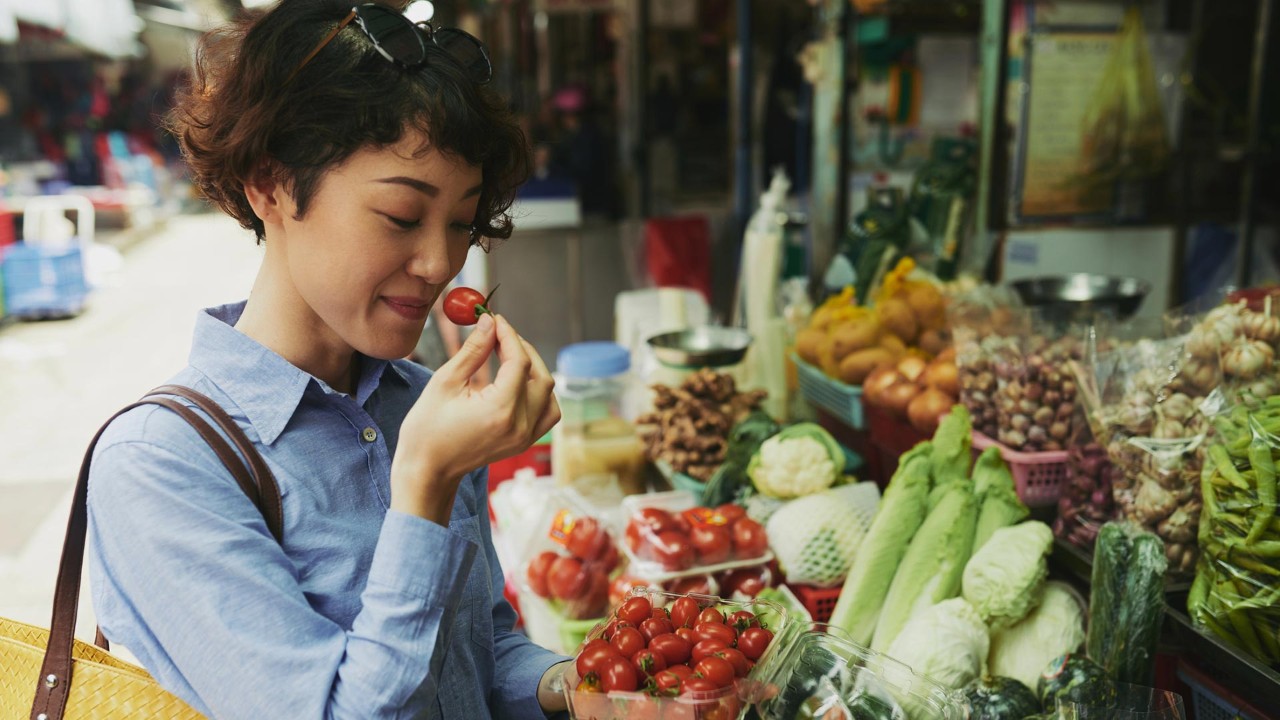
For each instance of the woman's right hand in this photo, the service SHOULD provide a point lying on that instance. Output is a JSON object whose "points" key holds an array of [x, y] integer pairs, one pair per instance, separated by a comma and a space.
{"points": [[455, 427]]}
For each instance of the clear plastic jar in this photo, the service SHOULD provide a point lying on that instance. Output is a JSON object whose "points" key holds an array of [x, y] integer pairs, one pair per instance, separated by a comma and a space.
{"points": [[594, 437]]}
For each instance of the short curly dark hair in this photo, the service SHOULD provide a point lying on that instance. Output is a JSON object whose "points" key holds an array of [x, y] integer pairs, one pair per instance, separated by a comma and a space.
{"points": [[242, 116]]}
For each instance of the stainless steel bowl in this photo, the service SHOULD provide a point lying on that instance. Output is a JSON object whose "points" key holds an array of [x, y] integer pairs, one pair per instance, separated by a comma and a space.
{"points": [[708, 346], [1081, 295]]}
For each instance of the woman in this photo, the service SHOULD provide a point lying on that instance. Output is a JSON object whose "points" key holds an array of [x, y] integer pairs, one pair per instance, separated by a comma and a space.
{"points": [[366, 156]]}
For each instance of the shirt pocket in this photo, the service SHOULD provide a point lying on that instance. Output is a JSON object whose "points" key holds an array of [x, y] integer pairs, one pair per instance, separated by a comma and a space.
{"points": [[476, 609]]}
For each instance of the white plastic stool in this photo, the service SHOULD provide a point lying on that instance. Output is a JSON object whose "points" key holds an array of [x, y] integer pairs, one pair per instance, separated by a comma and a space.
{"points": [[44, 221]]}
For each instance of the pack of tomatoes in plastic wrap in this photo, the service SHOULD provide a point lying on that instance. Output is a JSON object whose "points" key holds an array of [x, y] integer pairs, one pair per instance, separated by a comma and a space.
{"points": [[674, 656], [668, 536], [572, 561]]}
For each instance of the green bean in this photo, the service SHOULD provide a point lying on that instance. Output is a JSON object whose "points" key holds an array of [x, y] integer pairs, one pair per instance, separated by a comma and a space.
{"points": [[1244, 630], [1223, 462], [1199, 592], [1268, 638], [1260, 457], [1219, 629]]}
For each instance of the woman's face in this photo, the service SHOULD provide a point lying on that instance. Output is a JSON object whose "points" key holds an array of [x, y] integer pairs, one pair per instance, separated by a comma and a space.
{"points": [[383, 235]]}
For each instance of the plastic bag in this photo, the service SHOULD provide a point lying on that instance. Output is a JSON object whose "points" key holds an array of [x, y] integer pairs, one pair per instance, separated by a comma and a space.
{"points": [[1236, 593], [1242, 342], [1126, 702], [570, 561], [1151, 409], [1035, 389], [1086, 502], [982, 321]]}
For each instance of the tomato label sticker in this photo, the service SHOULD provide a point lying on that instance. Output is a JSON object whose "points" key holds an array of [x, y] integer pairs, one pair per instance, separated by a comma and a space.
{"points": [[561, 525], [705, 516]]}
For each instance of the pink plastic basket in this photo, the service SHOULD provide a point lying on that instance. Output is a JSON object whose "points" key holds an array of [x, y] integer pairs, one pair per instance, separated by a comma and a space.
{"points": [[1038, 476]]}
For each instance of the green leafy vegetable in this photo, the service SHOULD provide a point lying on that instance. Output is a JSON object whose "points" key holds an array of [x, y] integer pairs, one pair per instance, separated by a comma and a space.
{"points": [[998, 501], [744, 441]]}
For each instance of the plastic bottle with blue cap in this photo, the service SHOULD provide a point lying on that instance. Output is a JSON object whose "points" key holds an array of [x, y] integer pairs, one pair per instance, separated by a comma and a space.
{"points": [[594, 437]]}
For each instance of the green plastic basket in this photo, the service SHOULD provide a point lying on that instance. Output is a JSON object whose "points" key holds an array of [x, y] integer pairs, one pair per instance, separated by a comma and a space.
{"points": [[574, 632]]}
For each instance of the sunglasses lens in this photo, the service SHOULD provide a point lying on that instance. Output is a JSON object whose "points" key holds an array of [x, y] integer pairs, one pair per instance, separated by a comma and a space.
{"points": [[394, 33], [468, 51]]}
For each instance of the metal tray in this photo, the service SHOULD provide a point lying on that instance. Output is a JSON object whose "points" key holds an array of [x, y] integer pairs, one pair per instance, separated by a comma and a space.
{"points": [[1254, 682]]}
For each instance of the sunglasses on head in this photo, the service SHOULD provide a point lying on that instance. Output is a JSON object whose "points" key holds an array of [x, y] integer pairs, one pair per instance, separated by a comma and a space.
{"points": [[404, 43]]}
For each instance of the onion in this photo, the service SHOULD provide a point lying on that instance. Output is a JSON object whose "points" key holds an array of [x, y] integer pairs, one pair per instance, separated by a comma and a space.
{"points": [[880, 380], [944, 376], [928, 408], [912, 367], [897, 397]]}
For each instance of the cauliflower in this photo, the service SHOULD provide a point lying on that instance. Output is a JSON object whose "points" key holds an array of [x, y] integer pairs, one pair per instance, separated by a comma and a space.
{"points": [[801, 460], [1004, 579]]}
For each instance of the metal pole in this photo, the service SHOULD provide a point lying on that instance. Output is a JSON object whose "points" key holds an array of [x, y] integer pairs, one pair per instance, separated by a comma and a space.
{"points": [[641, 94], [994, 155], [845, 130], [1249, 182], [742, 121]]}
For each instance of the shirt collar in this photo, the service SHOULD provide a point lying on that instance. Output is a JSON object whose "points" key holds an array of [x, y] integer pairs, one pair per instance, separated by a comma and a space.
{"points": [[263, 385]]}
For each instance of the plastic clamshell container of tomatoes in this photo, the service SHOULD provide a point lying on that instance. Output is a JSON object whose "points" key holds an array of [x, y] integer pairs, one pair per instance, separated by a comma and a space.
{"points": [[675, 503], [822, 673], [728, 703], [570, 557]]}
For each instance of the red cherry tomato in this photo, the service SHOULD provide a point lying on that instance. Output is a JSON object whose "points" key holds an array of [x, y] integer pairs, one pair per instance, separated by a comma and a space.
{"points": [[672, 549], [591, 656], [594, 601], [614, 626], [731, 513], [711, 542], [627, 641], [684, 671], [618, 675], [464, 306], [716, 669], [754, 641], [653, 627], [567, 579], [655, 520], [710, 615], [621, 586], [608, 560], [747, 582], [668, 682], [698, 686], [741, 665], [698, 584], [684, 612], [749, 538], [715, 631], [661, 613], [536, 573], [686, 634], [674, 649], [587, 540], [705, 649], [741, 620], [635, 610], [648, 662]]}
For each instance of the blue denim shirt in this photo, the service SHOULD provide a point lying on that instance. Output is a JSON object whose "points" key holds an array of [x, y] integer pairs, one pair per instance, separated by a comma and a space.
{"points": [[362, 612]]}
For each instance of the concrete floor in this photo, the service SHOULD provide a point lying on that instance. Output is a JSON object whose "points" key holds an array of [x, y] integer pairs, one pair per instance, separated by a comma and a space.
{"points": [[59, 380]]}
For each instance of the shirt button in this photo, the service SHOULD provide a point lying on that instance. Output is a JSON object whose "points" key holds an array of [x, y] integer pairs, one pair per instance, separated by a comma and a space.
{"points": [[370, 434]]}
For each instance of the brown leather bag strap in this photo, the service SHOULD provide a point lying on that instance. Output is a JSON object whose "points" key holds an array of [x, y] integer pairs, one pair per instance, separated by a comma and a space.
{"points": [[54, 683], [264, 481]]}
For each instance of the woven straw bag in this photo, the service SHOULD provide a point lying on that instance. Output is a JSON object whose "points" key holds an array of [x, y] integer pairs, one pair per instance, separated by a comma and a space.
{"points": [[48, 674]]}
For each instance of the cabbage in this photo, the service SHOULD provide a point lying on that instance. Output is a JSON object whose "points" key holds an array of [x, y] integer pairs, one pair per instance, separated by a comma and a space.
{"points": [[1054, 628], [948, 643], [1004, 578]]}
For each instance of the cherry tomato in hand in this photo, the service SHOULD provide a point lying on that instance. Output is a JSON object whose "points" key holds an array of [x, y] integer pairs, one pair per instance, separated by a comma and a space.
{"points": [[618, 675], [754, 641], [716, 669], [635, 611], [749, 538], [648, 662], [653, 627], [593, 653], [464, 306], [684, 612], [674, 649], [712, 543], [536, 573], [627, 641]]}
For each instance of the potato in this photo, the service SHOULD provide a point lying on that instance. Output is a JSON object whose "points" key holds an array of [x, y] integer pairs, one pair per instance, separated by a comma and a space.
{"points": [[934, 342], [854, 336], [928, 305], [897, 318], [827, 357], [893, 344], [821, 318], [809, 344], [856, 367]]}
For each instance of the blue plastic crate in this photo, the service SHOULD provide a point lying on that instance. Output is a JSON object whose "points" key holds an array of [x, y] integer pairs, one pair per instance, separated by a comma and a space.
{"points": [[1210, 703], [43, 282], [844, 402]]}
